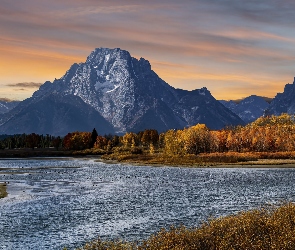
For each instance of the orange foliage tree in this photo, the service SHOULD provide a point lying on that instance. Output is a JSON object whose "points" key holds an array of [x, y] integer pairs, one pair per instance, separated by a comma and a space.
{"points": [[266, 134], [77, 141], [101, 142]]}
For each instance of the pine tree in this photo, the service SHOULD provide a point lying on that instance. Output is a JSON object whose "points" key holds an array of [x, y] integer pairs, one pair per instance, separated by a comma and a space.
{"points": [[93, 137]]}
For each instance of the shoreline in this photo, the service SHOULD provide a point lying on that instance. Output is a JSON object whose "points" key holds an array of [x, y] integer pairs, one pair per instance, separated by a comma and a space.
{"points": [[261, 163], [157, 160]]}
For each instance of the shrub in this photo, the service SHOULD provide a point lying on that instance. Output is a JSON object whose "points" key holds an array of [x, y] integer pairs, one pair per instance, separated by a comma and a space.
{"points": [[136, 150], [3, 192]]}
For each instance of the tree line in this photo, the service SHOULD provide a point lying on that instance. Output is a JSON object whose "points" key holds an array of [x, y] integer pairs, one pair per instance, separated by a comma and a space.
{"points": [[29, 141], [266, 134]]}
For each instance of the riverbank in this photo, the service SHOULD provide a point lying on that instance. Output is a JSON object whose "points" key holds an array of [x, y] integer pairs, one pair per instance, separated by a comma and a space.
{"points": [[221, 160], [265, 228]]}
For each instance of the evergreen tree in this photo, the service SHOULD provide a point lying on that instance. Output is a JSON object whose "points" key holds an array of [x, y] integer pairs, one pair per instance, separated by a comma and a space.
{"points": [[93, 137]]}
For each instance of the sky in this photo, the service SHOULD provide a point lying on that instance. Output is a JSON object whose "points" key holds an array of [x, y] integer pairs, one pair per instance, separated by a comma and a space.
{"points": [[235, 48]]}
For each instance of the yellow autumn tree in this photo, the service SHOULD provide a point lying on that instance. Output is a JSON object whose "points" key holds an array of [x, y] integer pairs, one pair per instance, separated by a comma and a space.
{"points": [[173, 143], [130, 139], [196, 139]]}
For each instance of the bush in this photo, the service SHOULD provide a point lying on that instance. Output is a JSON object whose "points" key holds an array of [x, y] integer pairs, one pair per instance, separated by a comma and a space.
{"points": [[3, 192]]}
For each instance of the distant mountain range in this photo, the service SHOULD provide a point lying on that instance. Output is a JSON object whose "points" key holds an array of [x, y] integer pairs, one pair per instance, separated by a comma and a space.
{"points": [[249, 108], [116, 93], [252, 107]]}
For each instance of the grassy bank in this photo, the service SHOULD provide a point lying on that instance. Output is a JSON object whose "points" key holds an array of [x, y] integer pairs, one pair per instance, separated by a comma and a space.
{"points": [[266, 228], [3, 192], [208, 159]]}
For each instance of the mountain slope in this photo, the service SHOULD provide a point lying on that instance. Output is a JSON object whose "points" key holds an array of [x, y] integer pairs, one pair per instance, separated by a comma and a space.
{"points": [[249, 108], [56, 115], [7, 106]]}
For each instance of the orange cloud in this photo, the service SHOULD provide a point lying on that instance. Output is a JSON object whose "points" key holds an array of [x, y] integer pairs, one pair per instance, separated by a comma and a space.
{"points": [[222, 85]]}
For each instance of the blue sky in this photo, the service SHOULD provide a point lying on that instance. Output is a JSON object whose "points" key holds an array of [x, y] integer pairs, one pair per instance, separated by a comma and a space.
{"points": [[234, 48]]}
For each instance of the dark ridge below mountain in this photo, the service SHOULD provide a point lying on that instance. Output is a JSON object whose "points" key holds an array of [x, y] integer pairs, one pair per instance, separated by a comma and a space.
{"points": [[125, 91]]}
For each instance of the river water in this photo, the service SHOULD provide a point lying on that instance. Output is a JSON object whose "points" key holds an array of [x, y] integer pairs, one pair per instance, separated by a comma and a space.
{"points": [[56, 203]]}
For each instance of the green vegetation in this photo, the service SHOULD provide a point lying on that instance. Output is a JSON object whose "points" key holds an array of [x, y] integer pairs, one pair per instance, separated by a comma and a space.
{"points": [[265, 228], [3, 192]]}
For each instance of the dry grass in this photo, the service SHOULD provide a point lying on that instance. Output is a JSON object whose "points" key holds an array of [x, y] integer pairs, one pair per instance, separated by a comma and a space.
{"points": [[257, 229], [205, 159], [266, 228], [3, 192], [155, 159], [178, 160], [91, 151]]}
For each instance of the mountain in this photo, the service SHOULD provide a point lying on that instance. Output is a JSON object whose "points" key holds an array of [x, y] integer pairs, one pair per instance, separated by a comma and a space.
{"points": [[283, 102], [127, 93], [6, 106], [249, 108]]}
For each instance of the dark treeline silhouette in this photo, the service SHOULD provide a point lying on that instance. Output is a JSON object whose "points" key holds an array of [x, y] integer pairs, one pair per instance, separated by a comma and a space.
{"points": [[30, 141]]}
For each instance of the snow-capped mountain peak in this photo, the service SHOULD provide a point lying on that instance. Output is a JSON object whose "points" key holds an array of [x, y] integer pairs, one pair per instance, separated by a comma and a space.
{"points": [[127, 93]]}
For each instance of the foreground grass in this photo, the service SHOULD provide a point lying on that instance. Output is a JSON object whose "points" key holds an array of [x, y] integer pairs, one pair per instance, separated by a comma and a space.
{"points": [[266, 228], [3, 192]]}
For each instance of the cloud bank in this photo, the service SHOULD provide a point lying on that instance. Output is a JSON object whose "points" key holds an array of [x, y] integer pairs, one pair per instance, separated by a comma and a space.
{"points": [[235, 48]]}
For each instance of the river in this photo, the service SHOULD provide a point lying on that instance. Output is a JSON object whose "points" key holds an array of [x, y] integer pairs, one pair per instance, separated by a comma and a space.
{"points": [[65, 202]]}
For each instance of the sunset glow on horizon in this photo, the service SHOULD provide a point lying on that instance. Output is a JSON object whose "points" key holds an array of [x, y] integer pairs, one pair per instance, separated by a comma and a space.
{"points": [[234, 48]]}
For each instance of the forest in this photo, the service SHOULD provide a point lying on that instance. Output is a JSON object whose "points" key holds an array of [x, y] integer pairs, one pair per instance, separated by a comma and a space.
{"points": [[271, 134]]}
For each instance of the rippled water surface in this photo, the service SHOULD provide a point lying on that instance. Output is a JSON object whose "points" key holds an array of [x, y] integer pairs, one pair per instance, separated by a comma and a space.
{"points": [[53, 203]]}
